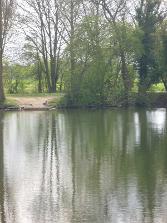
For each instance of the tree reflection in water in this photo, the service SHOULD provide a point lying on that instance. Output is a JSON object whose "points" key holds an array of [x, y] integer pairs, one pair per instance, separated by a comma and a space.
{"points": [[2, 209], [83, 166]]}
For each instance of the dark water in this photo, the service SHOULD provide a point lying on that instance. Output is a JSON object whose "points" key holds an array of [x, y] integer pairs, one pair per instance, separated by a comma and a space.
{"points": [[83, 166]]}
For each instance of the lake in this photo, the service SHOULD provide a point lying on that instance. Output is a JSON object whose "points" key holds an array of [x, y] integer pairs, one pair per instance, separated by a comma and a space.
{"points": [[105, 166]]}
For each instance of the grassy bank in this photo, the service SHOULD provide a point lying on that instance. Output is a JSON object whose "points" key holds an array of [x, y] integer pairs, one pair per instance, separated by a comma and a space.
{"points": [[9, 104], [150, 100], [33, 95], [62, 101]]}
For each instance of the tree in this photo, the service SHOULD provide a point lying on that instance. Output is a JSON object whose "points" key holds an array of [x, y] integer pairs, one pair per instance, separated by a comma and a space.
{"points": [[44, 33], [148, 16], [32, 56], [115, 12], [7, 8], [161, 52], [70, 11]]}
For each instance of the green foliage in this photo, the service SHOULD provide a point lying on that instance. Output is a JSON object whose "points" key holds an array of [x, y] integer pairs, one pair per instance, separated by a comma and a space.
{"points": [[97, 73], [18, 78], [161, 52], [8, 104], [148, 17], [157, 88], [102, 63]]}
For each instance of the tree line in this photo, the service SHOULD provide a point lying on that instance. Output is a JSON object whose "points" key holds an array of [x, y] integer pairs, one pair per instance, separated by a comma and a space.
{"points": [[93, 50]]}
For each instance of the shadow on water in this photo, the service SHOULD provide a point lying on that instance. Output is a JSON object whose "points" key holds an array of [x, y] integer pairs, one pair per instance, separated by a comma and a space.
{"points": [[83, 166]]}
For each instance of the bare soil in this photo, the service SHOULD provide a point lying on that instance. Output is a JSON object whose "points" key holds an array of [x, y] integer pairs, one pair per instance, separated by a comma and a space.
{"points": [[33, 102]]}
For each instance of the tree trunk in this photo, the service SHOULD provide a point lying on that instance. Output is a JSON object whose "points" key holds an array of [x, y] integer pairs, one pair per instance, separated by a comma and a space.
{"points": [[2, 96], [72, 54], [39, 79], [53, 74], [47, 75], [165, 85], [142, 87], [125, 75], [164, 80]]}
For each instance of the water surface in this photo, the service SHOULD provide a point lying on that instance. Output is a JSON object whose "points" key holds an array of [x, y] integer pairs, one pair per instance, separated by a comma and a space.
{"points": [[106, 166]]}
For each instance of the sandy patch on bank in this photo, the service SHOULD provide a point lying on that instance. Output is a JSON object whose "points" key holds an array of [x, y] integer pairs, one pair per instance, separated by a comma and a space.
{"points": [[33, 102]]}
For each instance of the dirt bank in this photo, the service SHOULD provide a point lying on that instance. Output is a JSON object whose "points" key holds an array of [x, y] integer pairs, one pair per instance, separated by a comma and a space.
{"points": [[32, 103]]}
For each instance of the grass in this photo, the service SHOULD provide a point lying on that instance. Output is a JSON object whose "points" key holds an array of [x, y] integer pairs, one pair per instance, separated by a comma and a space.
{"points": [[8, 103], [33, 95], [58, 101]]}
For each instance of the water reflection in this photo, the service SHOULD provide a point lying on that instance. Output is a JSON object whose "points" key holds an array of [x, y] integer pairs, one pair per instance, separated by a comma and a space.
{"points": [[83, 166], [157, 118], [2, 202]]}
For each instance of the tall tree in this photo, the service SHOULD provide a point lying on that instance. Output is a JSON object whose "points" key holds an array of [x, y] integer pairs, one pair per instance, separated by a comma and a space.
{"points": [[6, 14], [148, 16], [161, 52], [44, 32], [2, 96], [70, 14], [115, 12]]}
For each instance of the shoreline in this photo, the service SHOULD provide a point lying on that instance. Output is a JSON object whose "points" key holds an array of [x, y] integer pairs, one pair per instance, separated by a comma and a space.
{"points": [[49, 103], [68, 108]]}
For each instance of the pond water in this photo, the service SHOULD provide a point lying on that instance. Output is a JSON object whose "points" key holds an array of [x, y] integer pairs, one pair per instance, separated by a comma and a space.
{"points": [[106, 166]]}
